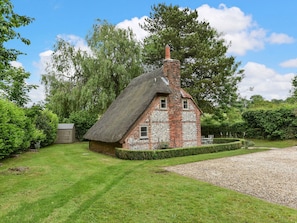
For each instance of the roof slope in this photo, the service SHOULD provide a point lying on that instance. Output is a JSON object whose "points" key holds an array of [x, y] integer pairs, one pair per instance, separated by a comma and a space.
{"points": [[65, 126], [128, 107]]}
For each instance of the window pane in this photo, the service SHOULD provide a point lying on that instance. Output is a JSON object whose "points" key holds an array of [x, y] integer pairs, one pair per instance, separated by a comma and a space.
{"points": [[143, 131], [185, 103], [163, 103]]}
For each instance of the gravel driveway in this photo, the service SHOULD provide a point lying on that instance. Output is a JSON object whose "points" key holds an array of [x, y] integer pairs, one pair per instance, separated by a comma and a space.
{"points": [[269, 175]]}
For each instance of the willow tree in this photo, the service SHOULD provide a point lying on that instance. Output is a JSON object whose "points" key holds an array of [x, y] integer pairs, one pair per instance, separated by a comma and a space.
{"points": [[207, 72], [90, 80]]}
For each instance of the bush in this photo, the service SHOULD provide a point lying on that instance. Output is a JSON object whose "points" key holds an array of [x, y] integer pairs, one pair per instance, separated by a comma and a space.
{"points": [[177, 152], [236, 129], [272, 124], [83, 121], [47, 122], [16, 130]]}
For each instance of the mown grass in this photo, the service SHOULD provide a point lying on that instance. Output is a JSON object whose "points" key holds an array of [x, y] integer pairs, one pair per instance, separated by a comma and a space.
{"points": [[276, 143], [69, 183]]}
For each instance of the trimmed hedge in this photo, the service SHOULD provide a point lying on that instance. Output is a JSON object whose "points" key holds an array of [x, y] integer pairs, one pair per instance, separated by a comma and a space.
{"points": [[229, 144]]}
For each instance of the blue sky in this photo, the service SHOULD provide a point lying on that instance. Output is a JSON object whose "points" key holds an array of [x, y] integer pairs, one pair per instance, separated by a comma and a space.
{"points": [[262, 34]]}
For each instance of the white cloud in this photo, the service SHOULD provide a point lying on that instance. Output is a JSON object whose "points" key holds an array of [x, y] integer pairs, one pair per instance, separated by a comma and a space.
{"points": [[16, 64], [236, 28], [280, 38], [44, 59], [36, 95], [76, 41], [140, 34], [239, 29], [289, 63], [265, 82], [224, 19]]}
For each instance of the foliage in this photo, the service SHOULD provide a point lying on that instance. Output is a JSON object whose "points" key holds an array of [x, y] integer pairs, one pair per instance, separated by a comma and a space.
{"points": [[9, 22], [12, 80], [15, 129], [228, 124], [32, 113], [47, 122], [271, 124], [77, 80], [83, 122], [294, 89], [14, 87], [207, 73], [177, 152]]}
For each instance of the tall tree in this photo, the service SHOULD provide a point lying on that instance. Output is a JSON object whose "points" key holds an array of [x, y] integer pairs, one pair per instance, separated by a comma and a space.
{"points": [[77, 80], [12, 80], [9, 21], [13, 86], [207, 72]]}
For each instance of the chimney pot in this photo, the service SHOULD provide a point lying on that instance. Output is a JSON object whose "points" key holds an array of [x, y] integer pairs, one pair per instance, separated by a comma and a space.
{"points": [[167, 52]]}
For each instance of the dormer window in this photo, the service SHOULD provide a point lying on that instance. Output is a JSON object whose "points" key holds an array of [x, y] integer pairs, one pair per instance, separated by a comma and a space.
{"points": [[163, 103], [185, 104]]}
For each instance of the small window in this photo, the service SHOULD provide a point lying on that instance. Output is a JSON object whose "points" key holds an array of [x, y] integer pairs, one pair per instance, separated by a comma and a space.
{"points": [[163, 103], [185, 104], [143, 132]]}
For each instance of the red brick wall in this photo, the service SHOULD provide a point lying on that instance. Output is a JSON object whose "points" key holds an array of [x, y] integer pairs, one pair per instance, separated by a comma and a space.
{"points": [[171, 69]]}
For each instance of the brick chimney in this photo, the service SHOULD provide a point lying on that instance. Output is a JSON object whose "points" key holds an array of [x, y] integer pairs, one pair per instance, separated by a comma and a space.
{"points": [[171, 70]]}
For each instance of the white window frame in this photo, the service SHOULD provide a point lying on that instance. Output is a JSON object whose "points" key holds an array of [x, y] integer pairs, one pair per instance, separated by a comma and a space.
{"points": [[163, 103], [143, 129]]}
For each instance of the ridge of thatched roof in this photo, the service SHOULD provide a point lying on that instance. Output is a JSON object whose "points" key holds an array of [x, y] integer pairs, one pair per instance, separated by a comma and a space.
{"points": [[128, 107]]}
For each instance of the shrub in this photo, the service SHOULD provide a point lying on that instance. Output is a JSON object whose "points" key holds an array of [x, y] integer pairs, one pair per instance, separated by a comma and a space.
{"points": [[16, 130], [271, 124], [47, 122], [177, 152], [83, 121]]}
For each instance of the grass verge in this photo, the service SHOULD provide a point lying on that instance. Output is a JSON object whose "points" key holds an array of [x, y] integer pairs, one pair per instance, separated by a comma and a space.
{"points": [[275, 144], [69, 183]]}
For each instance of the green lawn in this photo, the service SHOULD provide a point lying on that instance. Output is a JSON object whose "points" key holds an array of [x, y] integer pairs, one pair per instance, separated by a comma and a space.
{"points": [[69, 183], [276, 144]]}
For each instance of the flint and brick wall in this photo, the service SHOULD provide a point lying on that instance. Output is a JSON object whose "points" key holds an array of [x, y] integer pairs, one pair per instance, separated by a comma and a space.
{"points": [[174, 125], [156, 119]]}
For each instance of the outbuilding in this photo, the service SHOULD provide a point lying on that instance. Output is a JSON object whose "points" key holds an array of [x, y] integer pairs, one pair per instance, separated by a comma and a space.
{"points": [[65, 133]]}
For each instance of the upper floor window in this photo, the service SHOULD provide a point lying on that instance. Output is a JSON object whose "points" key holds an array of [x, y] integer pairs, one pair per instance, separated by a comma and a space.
{"points": [[185, 104], [163, 103]]}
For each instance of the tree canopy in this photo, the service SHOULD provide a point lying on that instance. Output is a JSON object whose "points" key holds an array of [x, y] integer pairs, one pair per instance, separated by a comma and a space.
{"points": [[12, 80], [13, 86], [208, 74], [9, 22], [76, 80]]}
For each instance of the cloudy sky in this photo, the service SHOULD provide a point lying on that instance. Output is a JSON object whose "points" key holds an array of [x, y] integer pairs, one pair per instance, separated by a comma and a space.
{"points": [[262, 33]]}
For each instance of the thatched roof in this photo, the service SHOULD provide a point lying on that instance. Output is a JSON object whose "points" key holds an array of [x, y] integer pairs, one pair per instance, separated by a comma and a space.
{"points": [[128, 107]]}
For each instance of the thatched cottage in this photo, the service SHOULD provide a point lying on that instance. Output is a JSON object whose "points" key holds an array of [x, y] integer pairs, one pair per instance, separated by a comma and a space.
{"points": [[152, 112]]}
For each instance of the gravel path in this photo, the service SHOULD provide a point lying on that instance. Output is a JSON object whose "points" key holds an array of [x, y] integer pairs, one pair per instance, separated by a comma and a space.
{"points": [[269, 175]]}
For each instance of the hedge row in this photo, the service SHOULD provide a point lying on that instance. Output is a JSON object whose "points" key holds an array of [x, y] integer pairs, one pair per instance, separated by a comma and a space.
{"points": [[274, 124], [232, 144]]}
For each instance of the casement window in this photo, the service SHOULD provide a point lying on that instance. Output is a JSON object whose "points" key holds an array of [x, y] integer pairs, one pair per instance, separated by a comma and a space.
{"points": [[143, 130], [185, 104], [163, 103]]}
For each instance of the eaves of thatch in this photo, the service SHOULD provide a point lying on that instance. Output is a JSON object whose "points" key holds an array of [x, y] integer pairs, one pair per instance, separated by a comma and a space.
{"points": [[128, 107]]}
